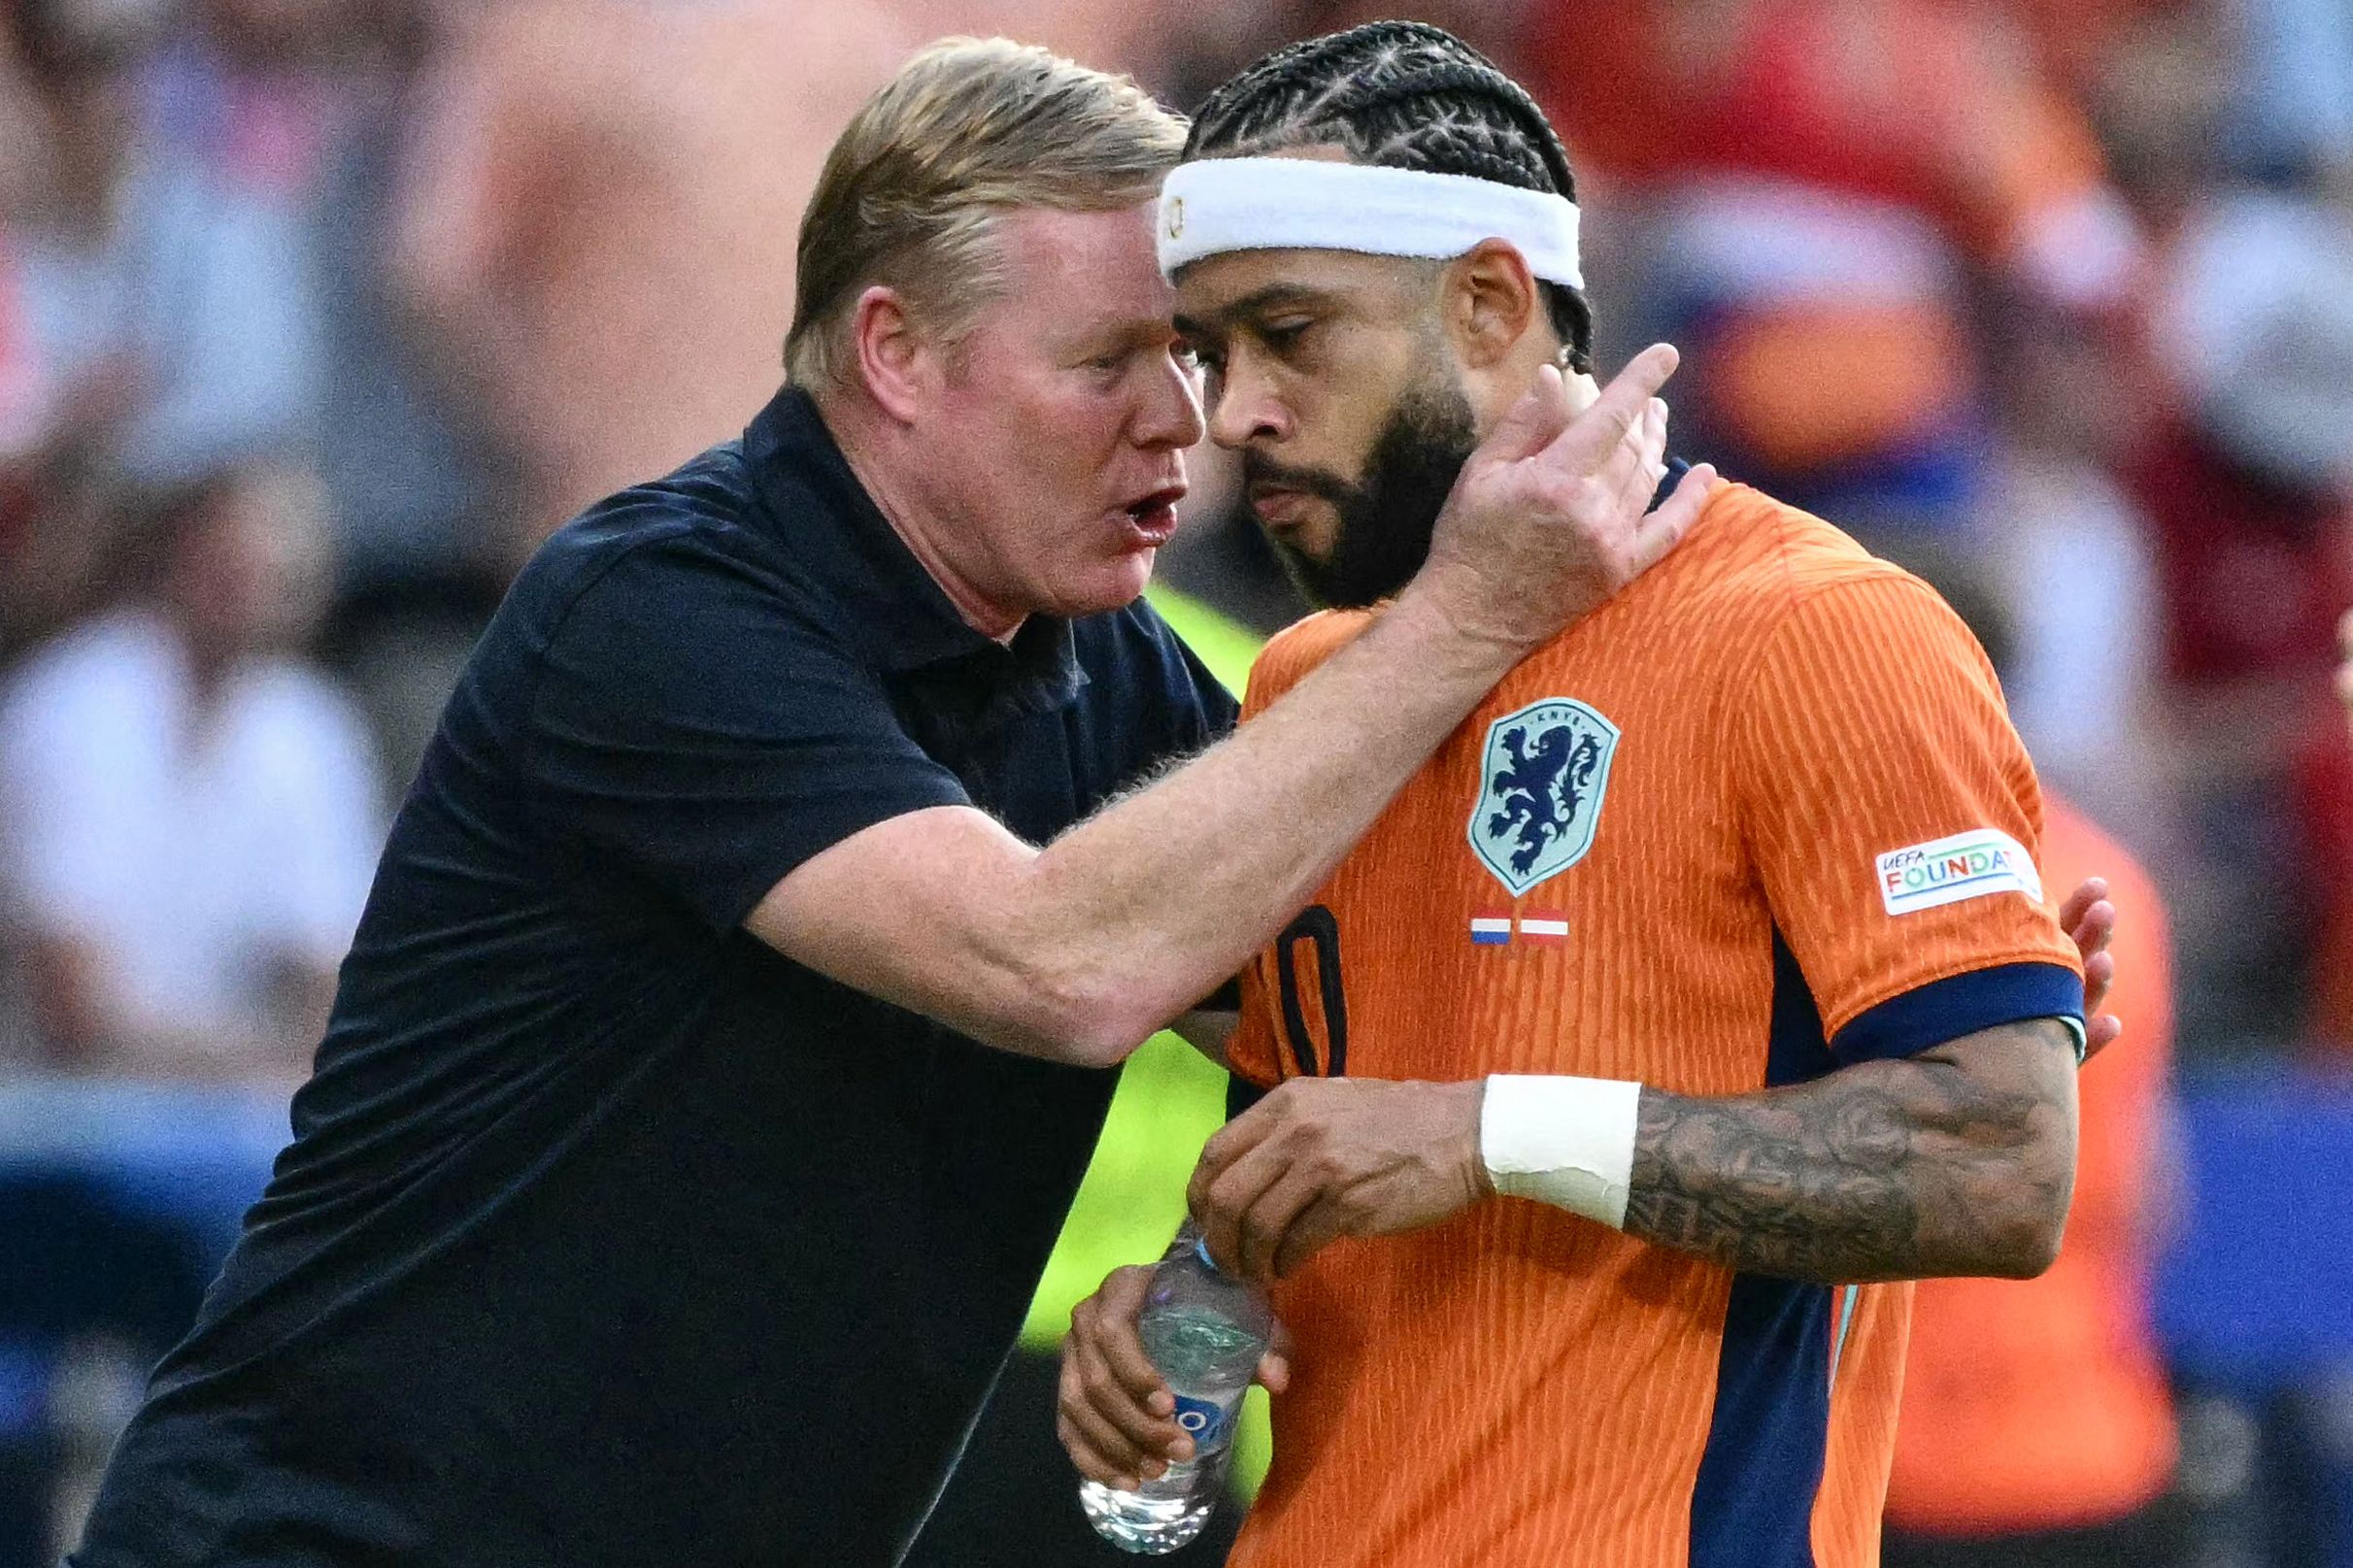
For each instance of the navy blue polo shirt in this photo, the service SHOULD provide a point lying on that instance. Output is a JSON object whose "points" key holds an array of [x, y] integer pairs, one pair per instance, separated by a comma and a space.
{"points": [[608, 1235]]}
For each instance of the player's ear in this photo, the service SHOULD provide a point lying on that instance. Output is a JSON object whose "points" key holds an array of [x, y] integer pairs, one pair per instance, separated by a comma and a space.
{"points": [[1489, 300]]}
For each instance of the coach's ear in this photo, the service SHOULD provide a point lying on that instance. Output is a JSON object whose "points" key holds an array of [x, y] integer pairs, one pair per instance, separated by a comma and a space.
{"points": [[892, 361], [1489, 301]]}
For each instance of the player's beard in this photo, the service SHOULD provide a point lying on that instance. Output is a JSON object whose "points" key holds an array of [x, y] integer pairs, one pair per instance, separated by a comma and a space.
{"points": [[1386, 518]]}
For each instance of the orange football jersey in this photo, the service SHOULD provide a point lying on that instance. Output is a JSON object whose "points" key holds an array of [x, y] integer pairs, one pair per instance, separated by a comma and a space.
{"points": [[1762, 815]]}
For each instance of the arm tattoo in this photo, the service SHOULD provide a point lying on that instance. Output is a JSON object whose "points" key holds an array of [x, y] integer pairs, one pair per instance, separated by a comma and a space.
{"points": [[1960, 1161]]}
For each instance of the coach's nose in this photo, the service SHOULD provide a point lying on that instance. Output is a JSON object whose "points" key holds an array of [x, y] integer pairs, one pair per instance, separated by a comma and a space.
{"points": [[1170, 413]]}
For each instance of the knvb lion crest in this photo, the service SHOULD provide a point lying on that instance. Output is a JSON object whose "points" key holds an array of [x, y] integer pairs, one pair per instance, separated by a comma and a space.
{"points": [[1545, 770]]}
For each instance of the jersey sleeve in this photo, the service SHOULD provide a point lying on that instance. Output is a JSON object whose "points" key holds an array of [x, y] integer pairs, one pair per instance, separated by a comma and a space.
{"points": [[694, 730], [1895, 821]]}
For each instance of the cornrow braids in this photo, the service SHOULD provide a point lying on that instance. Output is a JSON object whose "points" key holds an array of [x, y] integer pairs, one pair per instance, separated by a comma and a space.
{"points": [[1403, 95]]}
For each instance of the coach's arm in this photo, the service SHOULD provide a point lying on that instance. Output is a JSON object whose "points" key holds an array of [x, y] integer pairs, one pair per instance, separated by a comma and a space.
{"points": [[1079, 949]]}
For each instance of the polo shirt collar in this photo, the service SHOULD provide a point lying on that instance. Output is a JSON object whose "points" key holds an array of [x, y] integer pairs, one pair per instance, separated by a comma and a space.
{"points": [[903, 617]]}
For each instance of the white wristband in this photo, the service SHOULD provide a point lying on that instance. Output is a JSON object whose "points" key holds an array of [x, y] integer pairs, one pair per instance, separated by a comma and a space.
{"points": [[1568, 1141]]}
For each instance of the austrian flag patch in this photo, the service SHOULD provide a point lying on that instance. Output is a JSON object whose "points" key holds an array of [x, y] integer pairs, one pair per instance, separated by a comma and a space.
{"points": [[1967, 865]]}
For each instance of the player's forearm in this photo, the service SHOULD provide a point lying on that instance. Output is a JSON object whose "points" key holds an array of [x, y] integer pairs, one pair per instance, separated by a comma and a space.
{"points": [[1159, 899], [1959, 1161]]}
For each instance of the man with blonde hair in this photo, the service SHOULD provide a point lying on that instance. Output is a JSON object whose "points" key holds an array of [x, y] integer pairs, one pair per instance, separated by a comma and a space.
{"points": [[727, 1031]]}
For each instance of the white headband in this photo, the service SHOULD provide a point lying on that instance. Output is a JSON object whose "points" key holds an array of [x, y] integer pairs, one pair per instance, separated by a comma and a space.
{"points": [[1214, 205]]}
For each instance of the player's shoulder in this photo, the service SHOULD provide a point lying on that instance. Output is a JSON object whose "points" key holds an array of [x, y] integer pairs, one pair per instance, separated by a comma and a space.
{"points": [[1293, 652], [1769, 574], [1767, 557]]}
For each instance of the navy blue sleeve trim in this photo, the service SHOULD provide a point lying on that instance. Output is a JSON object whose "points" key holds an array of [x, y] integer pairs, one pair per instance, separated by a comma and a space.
{"points": [[1947, 1009]]}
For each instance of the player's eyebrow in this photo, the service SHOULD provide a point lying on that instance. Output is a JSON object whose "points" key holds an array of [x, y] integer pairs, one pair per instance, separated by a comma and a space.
{"points": [[1258, 302]]}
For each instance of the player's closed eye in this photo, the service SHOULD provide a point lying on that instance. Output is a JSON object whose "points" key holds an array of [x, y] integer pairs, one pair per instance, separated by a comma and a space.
{"points": [[1283, 337]]}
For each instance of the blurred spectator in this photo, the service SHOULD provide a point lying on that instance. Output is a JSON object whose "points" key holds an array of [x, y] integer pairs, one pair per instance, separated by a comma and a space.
{"points": [[2297, 64], [2324, 787], [2245, 475], [168, 303], [1820, 178], [2345, 665], [2249, 488], [2037, 1428], [192, 810], [2067, 559], [605, 260], [255, 93], [412, 479], [19, 379]]}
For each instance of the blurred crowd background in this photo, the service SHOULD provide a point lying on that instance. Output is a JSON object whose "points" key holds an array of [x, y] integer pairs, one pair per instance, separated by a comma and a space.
{"points": [[317, 314]]}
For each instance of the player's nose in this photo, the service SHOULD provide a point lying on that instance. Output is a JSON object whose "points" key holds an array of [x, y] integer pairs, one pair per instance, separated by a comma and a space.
{"points": [[1243, 408]]}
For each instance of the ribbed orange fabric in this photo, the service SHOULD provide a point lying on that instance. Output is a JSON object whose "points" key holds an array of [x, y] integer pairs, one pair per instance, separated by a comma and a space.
{"points": [[1518, 1385], [2040, 1404]]}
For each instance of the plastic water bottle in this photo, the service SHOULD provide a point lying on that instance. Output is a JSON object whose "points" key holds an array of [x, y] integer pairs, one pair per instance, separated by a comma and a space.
{"points": [[1205, 1331]]}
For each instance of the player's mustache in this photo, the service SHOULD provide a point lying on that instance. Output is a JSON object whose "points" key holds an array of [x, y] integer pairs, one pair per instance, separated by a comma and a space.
{"points": [[1261, 470]]}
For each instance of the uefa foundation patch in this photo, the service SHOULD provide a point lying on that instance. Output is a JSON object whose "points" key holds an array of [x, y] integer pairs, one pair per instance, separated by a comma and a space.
{"points": [[1967, 865]]}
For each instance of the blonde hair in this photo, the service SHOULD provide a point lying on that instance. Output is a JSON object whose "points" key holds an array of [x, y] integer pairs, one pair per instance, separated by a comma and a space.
{"points": [[967, 130]]}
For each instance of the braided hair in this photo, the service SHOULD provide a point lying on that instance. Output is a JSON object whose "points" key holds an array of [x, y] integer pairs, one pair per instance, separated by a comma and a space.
{"points": [[1403, 95]]}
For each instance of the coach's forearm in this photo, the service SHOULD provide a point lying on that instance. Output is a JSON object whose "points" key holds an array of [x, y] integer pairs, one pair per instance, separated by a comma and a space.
{"points": [[1154, 901], [1079, 950], [1957, 1161]]}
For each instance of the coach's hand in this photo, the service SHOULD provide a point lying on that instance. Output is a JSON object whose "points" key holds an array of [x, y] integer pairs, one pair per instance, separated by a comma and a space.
{"points": [[1114, 1413], [2089, 920], [1550, 514], [1323, 1157]]}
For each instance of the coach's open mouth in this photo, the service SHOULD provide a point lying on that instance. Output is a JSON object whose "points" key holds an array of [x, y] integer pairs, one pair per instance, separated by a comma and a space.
{"points": [[1154, 516]]}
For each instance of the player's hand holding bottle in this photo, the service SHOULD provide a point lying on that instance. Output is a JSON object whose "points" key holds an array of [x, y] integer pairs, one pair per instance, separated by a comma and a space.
{"points": [[1154, 1457]]}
